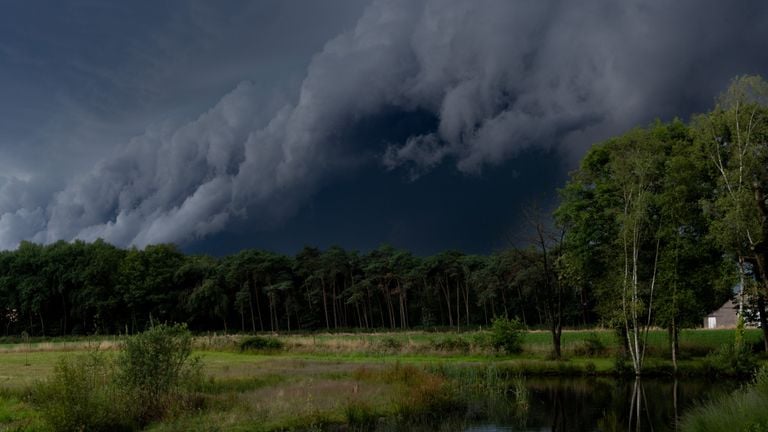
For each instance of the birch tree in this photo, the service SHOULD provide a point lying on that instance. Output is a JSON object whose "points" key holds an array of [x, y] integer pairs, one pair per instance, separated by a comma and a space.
{"points": [[735, 137]]}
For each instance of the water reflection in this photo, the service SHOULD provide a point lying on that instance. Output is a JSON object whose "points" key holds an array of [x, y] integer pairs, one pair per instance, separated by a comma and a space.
{"points": [[607, 405], [578, 405]]}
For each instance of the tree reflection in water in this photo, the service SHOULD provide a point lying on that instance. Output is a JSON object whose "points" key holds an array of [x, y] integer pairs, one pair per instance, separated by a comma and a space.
{"points": [[584, 405], [602, 404]]}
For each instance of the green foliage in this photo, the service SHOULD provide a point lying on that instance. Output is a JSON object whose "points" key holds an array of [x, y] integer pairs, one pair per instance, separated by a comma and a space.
{"points": [[360, 415], [742, 410], [451, 344], [258, 343], [156, 367], [152, 375], [621, 366], [735, 358], [506, 335], [591, 346], [81, 396], [390, 343]]}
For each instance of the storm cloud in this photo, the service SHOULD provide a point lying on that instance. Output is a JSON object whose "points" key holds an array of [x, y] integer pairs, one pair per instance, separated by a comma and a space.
{"points": [[500, 77]]}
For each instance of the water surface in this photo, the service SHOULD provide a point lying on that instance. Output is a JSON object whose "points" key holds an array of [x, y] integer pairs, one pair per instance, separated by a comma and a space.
{"points": [[602, 404], [580, 405]]}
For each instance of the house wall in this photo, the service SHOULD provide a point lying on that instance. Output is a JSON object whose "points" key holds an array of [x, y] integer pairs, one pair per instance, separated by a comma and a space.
{"points": [[726, 316]]}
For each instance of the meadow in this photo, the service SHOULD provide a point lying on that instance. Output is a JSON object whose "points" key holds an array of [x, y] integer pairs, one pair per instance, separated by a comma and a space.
{"points": [[307, 381]]}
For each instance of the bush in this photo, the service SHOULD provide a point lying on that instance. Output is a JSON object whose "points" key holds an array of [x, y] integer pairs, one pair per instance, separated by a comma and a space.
{"points": [[156, 367], [621, 366], [152, 374], [591, 346], [81, 396], [451, 344], [391, 343], [731, 360], [258, 343], [735, 358], [506, 335]]}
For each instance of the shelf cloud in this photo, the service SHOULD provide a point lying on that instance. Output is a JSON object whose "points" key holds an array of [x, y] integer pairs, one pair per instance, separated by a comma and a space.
{"points": [[499, 76]]}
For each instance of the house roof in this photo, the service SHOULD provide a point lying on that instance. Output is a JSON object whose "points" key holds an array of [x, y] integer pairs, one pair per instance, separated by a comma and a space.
{"points": [[726, 309]]}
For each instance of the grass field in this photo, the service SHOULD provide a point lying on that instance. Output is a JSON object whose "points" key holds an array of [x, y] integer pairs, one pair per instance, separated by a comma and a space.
{"points": [[316, 378], [21, 364]]}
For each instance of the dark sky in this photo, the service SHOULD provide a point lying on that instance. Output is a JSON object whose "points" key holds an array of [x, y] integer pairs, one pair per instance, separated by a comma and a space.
{"points": [[426, 124]]}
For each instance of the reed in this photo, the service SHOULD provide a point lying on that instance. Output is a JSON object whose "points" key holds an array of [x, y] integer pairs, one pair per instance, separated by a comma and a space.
{"points": [[742, 410]]}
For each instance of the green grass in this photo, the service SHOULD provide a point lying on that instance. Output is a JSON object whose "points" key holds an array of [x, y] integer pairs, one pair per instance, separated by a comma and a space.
{"points": [[312, 381], [18, 415], [19, 368], [744, 410]]}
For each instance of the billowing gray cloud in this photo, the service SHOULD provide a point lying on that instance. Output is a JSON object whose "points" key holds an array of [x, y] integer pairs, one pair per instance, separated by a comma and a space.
{"points": [[500, 77]]}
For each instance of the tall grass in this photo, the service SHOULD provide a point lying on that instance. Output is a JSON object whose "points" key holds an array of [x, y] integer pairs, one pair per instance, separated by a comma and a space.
{"points": [[744, 410], [17, 415], [437, 392]]}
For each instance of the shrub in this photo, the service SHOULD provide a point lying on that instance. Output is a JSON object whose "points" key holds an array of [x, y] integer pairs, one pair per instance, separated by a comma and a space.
{"points": [[152, 373], [621, 366], [731, 360], [257, 343], [81, 396], [506, 335], [482, 340], [360, 415], [391, 343], [735, 358], [451, 344], [156, 367], [591, 346]]}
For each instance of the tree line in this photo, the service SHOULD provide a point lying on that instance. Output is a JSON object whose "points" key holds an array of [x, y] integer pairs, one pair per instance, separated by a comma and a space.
{"points": [[655, 228], [84, 288]]}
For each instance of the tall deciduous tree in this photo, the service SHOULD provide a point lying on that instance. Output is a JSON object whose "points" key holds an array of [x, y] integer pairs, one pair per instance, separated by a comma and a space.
{"points": [[735, 137], [639, 235]]}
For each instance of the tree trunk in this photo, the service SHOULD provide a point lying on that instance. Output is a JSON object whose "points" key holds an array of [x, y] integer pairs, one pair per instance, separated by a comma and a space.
{"points": [[390, 305], [458, 309], [64, 314], [557, 332], [333, 298], [760, 250], [287, 315], [359, 319], [583, 297], [504, 305], [325, 306], [763, 320], [258, 305], [250, 305], [447, 294], [673, 342], [466, 302]]}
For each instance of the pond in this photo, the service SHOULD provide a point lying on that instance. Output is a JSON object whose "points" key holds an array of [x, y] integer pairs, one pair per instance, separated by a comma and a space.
{"points": [[596, 404], [608, 404]]}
